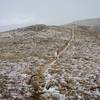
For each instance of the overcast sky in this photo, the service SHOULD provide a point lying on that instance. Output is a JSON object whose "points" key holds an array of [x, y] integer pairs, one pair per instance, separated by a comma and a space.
{"points": [[14, 12]]}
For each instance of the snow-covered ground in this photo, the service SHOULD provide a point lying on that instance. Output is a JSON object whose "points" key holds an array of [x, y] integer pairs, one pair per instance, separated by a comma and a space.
{"points": [[28, 64]]}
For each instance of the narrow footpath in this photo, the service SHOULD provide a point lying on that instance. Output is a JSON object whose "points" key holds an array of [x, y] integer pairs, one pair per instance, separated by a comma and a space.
{"points": [[38, 80]]}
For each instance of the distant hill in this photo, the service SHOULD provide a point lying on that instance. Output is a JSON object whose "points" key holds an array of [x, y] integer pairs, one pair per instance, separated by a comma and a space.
{"points": [[88, 22], [91, 24]]}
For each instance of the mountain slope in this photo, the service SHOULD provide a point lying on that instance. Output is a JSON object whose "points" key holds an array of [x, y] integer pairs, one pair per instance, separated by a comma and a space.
{"points": [[43, 62]]}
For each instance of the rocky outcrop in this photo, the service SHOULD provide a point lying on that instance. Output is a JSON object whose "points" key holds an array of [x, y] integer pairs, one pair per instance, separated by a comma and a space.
{"points": [[38, 27]]}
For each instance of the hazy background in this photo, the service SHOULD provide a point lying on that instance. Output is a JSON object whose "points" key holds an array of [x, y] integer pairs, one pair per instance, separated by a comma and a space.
{"points": [[26, 12]]}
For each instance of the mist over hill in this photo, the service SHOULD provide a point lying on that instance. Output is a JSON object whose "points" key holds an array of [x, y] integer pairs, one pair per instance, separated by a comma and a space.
{"points": [[86, 22]]}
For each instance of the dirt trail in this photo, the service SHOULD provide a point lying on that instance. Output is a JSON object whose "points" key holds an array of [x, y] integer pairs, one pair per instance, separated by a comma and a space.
{"points": [[39, 76], [59, 52]]}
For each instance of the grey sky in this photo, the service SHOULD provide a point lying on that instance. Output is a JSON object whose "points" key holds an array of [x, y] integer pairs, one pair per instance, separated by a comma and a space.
{"points": [[47, 11]]}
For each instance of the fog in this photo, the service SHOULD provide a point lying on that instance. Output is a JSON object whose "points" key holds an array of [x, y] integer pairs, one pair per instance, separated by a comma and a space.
{"points": [[56, 12]]}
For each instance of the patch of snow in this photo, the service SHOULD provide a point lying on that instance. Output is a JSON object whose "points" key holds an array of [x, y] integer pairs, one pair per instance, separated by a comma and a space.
{"points": [[55, 93]]}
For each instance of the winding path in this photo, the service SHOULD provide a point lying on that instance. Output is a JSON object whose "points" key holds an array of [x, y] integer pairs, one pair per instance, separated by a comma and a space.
{"points": [[62, 49], [44, 68]]}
